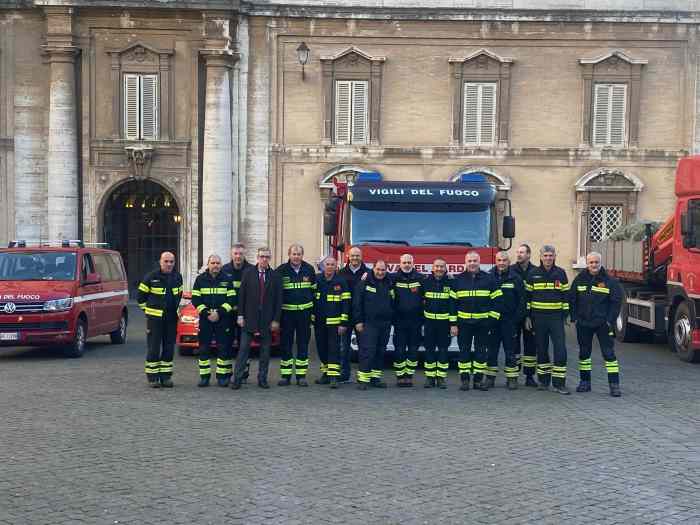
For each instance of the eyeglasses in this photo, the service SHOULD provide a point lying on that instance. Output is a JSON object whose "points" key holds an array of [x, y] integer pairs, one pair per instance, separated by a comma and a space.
{"points": [[264, 256]]}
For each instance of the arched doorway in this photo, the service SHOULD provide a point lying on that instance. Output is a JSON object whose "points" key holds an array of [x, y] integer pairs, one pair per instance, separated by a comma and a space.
{"points": [[141, 220]]}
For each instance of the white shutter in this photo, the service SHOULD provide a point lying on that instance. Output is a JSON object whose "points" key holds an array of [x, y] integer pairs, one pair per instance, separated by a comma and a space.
{"points": [[343, 91], [618, 113], [487, 128], [470, 126], [149, 107], [609, 114], [131, 107], [479, 113], [360, 110]]}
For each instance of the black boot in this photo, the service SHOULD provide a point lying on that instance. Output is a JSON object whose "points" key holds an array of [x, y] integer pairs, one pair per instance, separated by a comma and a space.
{"points": [[362, 386], [203, 381], [323, 380], [153, 383], [464, 378], [530, 381], [560, 388], [441, 383], [166, 382], [333, 382], [512, 383], [429, 382], [377, 383], [285, 381], [223, 381], [615, 390], [543, 384], [408, 381], [584, 386], [489, 382], [301, 381]]}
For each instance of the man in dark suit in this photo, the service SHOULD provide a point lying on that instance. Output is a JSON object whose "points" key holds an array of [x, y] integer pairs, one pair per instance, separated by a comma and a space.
{"points": [[259, 311]]}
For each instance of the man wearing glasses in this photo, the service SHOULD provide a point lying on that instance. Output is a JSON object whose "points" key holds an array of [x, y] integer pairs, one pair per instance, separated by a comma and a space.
{"points": [[259, 310]]}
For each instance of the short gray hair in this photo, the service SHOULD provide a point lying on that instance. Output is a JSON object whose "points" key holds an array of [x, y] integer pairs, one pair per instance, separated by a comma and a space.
{"points": [[406, 255], [548, 248], [213, 256], [297, 246], [503, 253], [597, 255], [472, 252]]}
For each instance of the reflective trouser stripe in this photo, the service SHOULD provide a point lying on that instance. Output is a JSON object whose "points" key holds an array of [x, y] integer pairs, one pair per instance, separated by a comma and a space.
{"points": [[333, 370], [442, 369], [152, 367], [166, 367], [464, 367], [511, 371], [323, 368], [544, 369], [430, 369], [376, 374], [287, 364], [204, 367], [613, 367], [491, 371], [584, 364], [363, 377], [301, 366], [224, 366], [529, 361], [479, 367], [559, 371]]}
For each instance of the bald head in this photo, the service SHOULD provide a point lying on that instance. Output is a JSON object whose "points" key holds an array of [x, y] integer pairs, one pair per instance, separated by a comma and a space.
{"points": [[167, 262]]}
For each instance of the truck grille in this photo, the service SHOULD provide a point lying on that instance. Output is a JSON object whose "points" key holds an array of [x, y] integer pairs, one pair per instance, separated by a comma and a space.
{"points": [[22, 308], [17, 327]]}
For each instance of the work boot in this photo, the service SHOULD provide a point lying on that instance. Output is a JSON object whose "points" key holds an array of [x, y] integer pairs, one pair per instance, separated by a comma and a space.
{"points": [[399, 382], [490, 382], [512, 383], [543, 386], [465, 382], [560, 388], [301, 381], [263, 384], [480, 385], [408, 382], [615, 390], [377, 383], [362, 386], [530, 381], [223, 381], [203, 381], [323, 380], [285, 381], [333, 382], [154, 384], [235, 385], [429, 382], [584, 386], [441, 383]]}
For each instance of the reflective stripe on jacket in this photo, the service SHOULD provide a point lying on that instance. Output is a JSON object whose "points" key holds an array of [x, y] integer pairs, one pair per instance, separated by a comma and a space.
{"points": [[159, 292]]}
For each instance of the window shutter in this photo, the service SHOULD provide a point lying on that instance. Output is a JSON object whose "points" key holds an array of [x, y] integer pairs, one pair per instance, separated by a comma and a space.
{"points": [[343, 89], [360, 112], [131, 107], [487, 128], [149, 107], [618, 111], [470, 126], [601, 114]]}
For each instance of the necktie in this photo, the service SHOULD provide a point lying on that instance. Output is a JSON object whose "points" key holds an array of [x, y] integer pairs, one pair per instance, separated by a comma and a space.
{"points": [[261, 277]]}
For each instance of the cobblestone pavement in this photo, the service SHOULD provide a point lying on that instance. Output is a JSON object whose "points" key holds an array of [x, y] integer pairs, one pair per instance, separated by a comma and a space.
{"points": [[84, 441]]}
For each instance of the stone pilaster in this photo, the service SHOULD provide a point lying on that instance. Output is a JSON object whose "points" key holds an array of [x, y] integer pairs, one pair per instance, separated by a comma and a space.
{"points": [[62, 160], [217, 185]]}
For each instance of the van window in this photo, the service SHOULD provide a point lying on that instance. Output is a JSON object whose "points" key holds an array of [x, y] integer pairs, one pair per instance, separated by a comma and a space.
{"points": [[87, 267], [37, 266], [118, 267], [104, 266]]}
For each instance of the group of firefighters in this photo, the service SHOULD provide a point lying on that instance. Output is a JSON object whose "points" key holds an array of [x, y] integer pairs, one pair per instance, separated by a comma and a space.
{"points": [[509, 305]]}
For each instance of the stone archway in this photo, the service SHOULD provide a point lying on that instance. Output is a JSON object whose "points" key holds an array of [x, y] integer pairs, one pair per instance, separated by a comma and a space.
{"points": [[141, 220]]}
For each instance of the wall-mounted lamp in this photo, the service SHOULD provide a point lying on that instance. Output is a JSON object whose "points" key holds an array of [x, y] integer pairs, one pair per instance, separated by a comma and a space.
{"points": [[303, 53]]}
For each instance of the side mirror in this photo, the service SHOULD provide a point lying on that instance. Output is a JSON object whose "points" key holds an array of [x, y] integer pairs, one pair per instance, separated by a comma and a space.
{"points": [[329, 223], [93, 278], [508, 227], [340, 247]]}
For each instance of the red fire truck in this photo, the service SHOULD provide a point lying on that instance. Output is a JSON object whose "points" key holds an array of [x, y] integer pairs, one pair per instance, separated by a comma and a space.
{"points": [[425, 219], [661, 273]]}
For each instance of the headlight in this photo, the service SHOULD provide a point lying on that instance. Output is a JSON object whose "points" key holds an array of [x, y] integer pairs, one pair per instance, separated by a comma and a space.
{"points": [[189, 319], [58, 305]]}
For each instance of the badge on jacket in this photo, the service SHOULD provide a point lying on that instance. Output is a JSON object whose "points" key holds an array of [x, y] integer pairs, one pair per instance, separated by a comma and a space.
{"points": [[305, 279], [336, 287]]}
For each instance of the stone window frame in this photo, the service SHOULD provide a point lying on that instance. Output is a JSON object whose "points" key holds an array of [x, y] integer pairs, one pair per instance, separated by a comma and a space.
{"points": [[480, 66], [134, 58], [611, 69], [604, 187], [352, 64]]}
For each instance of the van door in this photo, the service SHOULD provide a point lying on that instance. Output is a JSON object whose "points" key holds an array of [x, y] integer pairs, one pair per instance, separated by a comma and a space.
{"points": [[107, 305], [88, 293]]}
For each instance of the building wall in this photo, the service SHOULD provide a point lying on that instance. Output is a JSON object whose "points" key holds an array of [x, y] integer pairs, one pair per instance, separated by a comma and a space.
{"points": [[545, 155]]}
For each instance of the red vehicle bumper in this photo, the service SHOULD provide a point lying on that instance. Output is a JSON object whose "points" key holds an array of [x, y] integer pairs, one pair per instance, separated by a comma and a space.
{"points": [[36, 329]]}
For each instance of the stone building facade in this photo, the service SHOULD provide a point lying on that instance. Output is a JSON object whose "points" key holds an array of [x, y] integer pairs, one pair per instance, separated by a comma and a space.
{"points": [[194, 123]]}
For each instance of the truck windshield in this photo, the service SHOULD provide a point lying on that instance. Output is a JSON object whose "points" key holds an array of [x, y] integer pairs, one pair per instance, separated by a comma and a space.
{"points": [[37, 266], [421, 228]]}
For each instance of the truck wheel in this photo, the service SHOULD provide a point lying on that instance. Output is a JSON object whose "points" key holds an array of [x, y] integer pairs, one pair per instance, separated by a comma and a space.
{"points": [[624, 331], [77, 347], [682, 333], [118, 337]]}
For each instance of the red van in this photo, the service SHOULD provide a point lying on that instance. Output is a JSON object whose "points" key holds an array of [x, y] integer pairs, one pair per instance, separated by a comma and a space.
{"points": [[61, 295]]}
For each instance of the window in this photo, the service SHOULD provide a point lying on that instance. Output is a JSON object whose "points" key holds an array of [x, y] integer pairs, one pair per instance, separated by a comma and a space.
{"points": [[87, 267], [609, 114], [603, 221], [140, 106], [351, 112], [479, 113]]}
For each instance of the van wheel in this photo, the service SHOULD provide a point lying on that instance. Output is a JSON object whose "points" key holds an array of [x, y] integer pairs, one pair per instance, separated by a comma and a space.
{"points": [[118, 337], [77, 347], [682, 333]]}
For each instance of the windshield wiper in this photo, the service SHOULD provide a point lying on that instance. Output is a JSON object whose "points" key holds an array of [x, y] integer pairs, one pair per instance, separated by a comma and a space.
{"points": [[387, 241]]}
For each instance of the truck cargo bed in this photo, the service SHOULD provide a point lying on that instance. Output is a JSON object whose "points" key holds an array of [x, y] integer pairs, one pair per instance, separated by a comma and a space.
{"points": [[626, 260]]}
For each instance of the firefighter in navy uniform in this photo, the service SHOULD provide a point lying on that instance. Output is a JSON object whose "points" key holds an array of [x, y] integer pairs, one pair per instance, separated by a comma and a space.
{"points": [[528, 361], [373, 311], [439, 325], [352, 273], [505, 330], [408, 320], [299, 290], [596, 299], [477, 302], [547, 291], [214, 297], [331, 317], [159, 295], [235, 269]]}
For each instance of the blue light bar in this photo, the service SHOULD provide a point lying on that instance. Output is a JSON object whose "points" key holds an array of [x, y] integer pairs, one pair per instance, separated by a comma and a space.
{"points": [[369, 176], [473, 176]]}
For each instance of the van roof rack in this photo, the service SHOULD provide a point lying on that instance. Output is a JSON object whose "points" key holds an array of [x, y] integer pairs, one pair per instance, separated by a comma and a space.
{"points": [[63, 243]]}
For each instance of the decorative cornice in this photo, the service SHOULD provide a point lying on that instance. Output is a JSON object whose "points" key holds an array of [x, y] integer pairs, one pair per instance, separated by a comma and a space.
{"points": [[138, 44], [482, 51], [353, 50], [617, 53]]}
